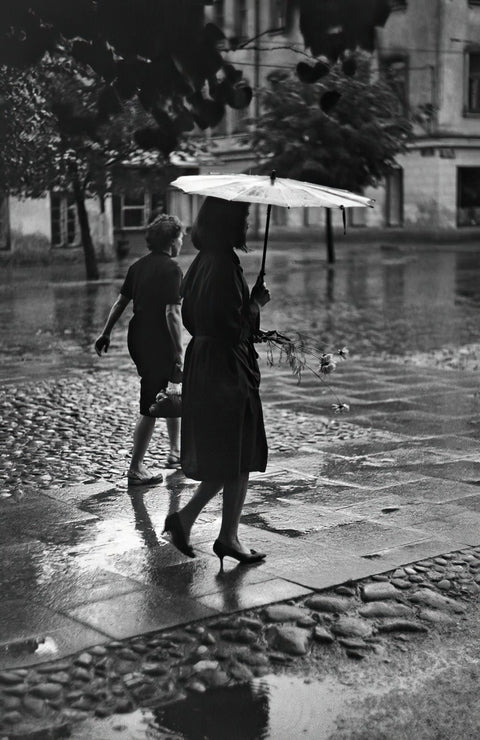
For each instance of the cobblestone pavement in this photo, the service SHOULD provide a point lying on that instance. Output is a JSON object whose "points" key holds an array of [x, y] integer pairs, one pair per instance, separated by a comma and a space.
{"points": [[370, 521]]}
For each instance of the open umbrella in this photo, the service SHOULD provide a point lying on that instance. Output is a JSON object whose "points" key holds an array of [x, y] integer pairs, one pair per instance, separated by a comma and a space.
{"points": [[270, 190]]}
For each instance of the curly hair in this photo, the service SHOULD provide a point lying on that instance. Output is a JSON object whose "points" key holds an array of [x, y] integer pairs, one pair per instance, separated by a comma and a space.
{"points": [[162, 230]]}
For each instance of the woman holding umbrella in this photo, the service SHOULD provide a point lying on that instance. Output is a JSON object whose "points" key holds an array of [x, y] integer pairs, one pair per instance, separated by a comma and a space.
{"points": [[223, 435]]}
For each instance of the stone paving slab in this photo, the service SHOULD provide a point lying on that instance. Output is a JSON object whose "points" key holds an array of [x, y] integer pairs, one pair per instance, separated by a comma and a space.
{"points": [[315, 567], [141, 611], [455, 443], [433, 490], [31, 633], [82, 491], [366, 537], [375, 479], [23, 523], [463, 527], [394, 511], [467, 471], [62, 588], [412, 552], [258, 594]]}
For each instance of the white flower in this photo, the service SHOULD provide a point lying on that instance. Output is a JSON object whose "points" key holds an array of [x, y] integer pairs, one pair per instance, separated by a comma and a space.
{"points": [[327, 367], [340, 407]]}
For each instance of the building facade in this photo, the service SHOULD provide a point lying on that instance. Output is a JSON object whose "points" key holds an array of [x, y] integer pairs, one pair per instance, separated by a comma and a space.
{"points": [[428, 51]]}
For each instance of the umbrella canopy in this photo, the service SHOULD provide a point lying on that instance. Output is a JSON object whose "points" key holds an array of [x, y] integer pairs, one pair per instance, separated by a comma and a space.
{"points": [[271, 190]]}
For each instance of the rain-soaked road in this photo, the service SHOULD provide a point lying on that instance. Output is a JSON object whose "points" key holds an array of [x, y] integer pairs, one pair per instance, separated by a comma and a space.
{"points": [[394, 300], [351, 497]]}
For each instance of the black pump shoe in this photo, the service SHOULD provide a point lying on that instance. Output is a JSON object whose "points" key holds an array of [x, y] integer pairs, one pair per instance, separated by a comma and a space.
{"points": [[250, 558], [173, 526]]}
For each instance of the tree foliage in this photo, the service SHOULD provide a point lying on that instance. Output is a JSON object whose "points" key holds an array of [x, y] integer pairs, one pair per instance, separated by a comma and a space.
{"points": [[27, 135], [162, 52], [52, 125], [57, 134], [350, 146]]}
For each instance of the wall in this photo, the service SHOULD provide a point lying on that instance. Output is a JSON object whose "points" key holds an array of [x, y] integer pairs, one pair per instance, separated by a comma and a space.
{"points": [[30, 232], [101, 226], [30, 226]]}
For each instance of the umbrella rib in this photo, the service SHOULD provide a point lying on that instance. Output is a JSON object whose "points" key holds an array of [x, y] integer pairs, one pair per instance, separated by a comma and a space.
{"points": [[357, 200], [238, 196], [339, 193], [284, 196]]}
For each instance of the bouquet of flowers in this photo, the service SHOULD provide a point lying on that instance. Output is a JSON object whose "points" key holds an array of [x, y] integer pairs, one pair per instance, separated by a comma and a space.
{"points": [[301, 355]]}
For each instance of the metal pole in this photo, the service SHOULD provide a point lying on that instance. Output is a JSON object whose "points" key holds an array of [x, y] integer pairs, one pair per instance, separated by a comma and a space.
{"points": [[265, 241]]}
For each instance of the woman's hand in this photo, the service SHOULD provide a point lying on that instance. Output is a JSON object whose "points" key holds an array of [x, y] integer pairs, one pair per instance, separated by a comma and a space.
{"points": [[177, 373], [102, 344], [260, 293]]}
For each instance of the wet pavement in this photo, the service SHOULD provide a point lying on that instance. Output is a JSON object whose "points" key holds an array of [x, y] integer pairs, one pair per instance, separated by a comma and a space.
{"points": [[345, 497]]}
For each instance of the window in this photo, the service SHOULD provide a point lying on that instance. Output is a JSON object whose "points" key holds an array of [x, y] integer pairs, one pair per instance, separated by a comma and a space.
{"points": [[134, 210], [394, 198], [394, 71], [473, 82], [4, 224], [219, 12], [357, 216], [241, 27], [63, 220], [277, 13], [468, 196]]}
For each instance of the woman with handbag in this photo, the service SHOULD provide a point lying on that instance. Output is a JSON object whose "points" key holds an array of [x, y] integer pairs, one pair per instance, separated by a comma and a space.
{"points": [[223, 435], [154, 335]]}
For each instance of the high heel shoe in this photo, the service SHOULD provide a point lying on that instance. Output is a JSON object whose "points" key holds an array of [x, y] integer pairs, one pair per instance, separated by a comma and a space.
{"points": [[243, 558], [173, 526]]}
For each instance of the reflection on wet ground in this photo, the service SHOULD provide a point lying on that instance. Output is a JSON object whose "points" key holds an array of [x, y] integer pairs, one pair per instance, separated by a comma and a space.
{"points": [[376, 299], [278, 707]]}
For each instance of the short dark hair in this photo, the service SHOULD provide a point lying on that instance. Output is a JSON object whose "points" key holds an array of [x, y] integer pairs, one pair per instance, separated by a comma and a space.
{"points": [[220, 225], [162, 230]]}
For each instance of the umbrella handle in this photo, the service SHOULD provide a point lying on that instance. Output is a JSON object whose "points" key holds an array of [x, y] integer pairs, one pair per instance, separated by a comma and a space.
{"points": [[265, 241]]}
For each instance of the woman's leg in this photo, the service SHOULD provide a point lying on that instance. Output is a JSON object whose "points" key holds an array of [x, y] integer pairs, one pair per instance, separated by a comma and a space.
{"points": [[173, 429], [204, 493], [141, 439], [234, 493]]}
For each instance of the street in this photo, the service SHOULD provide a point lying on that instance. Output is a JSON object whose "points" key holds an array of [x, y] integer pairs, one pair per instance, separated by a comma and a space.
{"points": [[369, 518]]}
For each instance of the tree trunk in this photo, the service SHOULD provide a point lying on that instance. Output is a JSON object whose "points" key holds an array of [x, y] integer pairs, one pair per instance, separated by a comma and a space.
{"points": [[329, 237], [91, 265]]}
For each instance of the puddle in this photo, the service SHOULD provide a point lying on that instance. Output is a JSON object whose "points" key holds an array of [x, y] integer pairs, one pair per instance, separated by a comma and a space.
{"points": [[271, 708]]}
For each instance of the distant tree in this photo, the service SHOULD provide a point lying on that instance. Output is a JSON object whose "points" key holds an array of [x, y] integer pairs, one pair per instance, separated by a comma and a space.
{"points": [[62, 129], [27, 135], [343, 132], [162, 52]]}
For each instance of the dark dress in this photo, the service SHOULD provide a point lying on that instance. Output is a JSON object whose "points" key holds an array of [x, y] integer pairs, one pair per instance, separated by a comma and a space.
{"points": [[223, 433], [152, 282]]}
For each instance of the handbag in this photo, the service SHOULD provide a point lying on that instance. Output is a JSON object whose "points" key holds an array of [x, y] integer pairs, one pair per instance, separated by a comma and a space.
{"points": [[168, 402]]}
